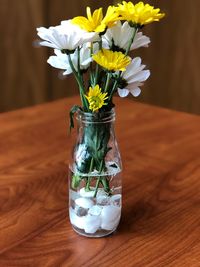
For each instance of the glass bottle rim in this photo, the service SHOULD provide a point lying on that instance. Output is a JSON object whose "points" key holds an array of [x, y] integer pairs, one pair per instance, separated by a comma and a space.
{"points": [[97, 117]]}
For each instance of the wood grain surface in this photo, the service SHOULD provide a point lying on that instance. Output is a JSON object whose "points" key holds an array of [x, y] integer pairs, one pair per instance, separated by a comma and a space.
{"points": [[161, 196]]}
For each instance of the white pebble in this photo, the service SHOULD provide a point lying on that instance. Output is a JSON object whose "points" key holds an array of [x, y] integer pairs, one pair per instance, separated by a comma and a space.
{"points": [[110, 225], [84, 202], [84, 193], [103, 200], [110, 216], [102, 197], [95, 210], [116, 199], [90, 194], [91, 224], [101, 192], [76, 220], [110, 212]]}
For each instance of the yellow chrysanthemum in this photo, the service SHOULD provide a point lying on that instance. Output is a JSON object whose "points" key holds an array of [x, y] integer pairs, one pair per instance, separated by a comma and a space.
{"points": [[96, 22], [111, 17], [112, 61], [96, 98], [139, 13]]}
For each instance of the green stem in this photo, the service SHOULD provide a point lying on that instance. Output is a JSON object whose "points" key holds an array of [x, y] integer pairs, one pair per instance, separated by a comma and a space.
{"points": [[131, 41], [100, 44], [79, 65], [79, 70], [107, 81], [97, 186], [80, 83], [114, 87], [98, 180], [96, 74], [105, 183], [91, 49], [89, 178], [92, 79]]}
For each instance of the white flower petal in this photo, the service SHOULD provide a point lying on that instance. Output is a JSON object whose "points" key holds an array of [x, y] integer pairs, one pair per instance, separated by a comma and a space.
{"points": [[67, 72], [57, 52], [133, 68], [132, 72], [60, 60], [135, 92], [134, 76], [85, 63], [123, 92], [120, 35], [134, 85], [140, 41], [45, 43], [65, 36], [137, 62], [140, 76]]}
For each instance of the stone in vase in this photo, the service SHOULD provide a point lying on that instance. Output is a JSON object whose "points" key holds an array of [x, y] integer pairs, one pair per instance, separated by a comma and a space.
{"points": [[84, 202], [92, 223], [110, 217]]}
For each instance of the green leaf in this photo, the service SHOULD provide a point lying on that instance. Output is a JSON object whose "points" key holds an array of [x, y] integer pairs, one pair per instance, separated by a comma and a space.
{"points": [[73, 110]]}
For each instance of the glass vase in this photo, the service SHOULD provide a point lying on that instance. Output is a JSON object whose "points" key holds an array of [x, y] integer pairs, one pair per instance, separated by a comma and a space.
{"points": [[95, 188]]}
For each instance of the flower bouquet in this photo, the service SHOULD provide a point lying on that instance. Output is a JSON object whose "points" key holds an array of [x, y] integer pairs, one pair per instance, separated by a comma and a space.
{"points": [[96, 50]]}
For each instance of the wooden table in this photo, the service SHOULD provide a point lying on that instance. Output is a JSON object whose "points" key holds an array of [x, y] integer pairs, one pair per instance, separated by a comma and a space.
{"points": [[161, 190]]}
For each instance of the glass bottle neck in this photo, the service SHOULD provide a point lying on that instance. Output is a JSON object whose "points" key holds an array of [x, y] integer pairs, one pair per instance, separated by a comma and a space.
{"points": [[96, 118]]}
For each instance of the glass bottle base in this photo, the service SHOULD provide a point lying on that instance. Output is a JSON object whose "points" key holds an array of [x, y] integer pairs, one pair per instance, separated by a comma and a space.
{"points": [[99, 233]]}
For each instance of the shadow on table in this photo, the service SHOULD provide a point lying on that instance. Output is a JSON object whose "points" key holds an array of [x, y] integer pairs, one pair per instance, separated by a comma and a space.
{"points": [[141, 218]]}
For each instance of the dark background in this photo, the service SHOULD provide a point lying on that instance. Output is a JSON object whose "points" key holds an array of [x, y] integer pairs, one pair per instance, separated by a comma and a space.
{"points": [[173, 57]]}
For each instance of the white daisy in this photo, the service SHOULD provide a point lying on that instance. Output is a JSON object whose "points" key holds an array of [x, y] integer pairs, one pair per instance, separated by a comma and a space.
{"points": [[65, 36], [119, 36], [60, 60], [133, 78]]}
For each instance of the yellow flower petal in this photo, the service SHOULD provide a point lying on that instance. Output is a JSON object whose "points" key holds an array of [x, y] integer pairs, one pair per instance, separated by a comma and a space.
{"points": [[111, 17], [96, 98], [96, 22], [139, 13], [88, 12], [112, 61]]}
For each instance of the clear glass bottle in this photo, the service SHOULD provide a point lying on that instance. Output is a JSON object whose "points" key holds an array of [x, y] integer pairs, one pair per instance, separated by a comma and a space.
{"points": [[95, 189]]}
